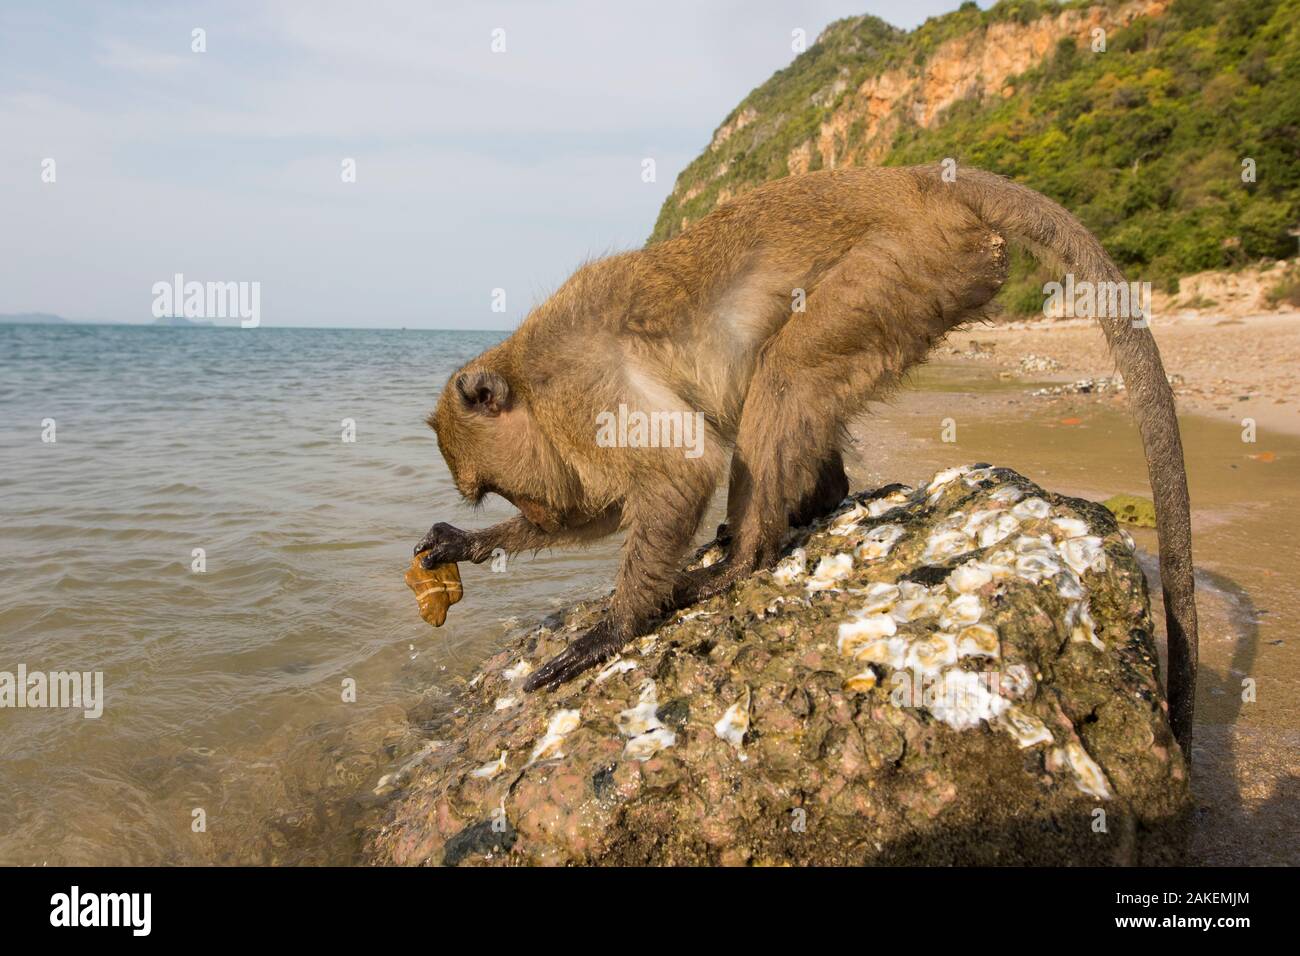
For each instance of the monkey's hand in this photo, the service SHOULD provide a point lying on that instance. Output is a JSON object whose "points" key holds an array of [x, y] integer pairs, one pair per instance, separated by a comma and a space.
{"points": [[595, 647], [443, 544]]}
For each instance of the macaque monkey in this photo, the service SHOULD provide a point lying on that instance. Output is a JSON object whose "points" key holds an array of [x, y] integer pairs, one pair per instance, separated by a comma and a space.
{"points": [[777, 317]]}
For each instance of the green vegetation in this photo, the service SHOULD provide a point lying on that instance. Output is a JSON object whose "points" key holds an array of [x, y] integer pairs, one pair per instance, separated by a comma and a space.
{"points": [[1145, 141], [1287, 291]]}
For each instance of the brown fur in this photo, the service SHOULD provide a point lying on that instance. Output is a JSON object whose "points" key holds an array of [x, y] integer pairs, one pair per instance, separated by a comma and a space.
{"points": [[889, 260]]}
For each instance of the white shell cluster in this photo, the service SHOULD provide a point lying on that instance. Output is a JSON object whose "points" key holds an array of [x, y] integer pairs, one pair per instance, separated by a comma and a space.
{"points": [[1031, 508], [937, 484], [1007, 494], [522, 669], [646, 733], [879, 541], [948, 616], [619, 665], [927, 632], [1027, 729], [945, 544], [791, 567], [830, 570], [964, 699], [734, 724], [878, 506], [1088, 776], [847, 522], [563, 723]]}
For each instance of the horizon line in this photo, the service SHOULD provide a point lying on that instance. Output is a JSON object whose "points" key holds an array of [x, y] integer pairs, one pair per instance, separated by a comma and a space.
{"points": [[236, 326]]}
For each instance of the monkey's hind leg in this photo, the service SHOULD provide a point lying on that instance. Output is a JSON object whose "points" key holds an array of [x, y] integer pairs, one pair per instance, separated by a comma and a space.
{"points": [[830, 490], [832, 487], [866, 323]]}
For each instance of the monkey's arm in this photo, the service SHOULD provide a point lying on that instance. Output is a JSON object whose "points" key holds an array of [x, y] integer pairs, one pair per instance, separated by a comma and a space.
{"points": [[659, 530], [443, 542]]}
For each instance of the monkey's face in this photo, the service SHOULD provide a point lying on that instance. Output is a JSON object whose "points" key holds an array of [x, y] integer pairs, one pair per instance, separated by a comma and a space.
{"points": [[493, 445]]}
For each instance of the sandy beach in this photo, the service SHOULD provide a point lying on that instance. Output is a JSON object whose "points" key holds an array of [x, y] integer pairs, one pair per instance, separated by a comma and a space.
{"points": [[1226, 367]]}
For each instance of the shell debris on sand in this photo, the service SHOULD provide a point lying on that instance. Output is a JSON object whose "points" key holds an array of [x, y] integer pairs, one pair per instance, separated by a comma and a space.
{"points": [[966, 702]]}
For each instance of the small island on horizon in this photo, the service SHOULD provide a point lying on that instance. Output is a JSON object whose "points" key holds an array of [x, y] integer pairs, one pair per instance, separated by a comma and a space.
{"points": [[32, 318], [177, 321]]}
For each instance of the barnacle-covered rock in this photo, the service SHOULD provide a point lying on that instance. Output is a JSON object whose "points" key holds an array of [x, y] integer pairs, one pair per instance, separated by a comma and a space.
{"points": [[960, 673]]}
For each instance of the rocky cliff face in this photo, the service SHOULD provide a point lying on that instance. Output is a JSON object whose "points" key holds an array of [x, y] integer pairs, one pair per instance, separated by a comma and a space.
{"points": [[1167, 126], [862, 115], [958, 673], [977, 64]]}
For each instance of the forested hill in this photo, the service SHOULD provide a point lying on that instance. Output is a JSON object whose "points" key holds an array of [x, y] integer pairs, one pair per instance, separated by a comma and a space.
{"points": [[1139, 116]]}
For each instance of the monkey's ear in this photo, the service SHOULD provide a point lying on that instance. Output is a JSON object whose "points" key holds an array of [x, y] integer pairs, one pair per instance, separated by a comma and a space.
{"points": [[484, 392]]}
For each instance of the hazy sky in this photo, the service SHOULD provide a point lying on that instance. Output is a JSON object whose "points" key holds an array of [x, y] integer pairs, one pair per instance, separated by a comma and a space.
{"points": [[474, 170]]}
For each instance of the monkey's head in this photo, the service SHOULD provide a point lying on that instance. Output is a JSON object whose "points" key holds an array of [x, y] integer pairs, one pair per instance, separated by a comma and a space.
{"points": [[493, 444]]}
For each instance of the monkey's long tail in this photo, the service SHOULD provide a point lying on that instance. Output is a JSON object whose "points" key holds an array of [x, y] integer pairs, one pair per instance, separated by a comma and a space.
{"points": [[1021, 213]]}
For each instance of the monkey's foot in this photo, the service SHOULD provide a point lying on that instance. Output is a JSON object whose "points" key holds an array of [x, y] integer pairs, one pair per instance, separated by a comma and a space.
{"points": [[701, 584], [595, 647]]}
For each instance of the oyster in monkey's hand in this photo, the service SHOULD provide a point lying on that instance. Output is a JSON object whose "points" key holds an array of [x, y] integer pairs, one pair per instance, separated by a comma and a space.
{"points": [[435, 589]]}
